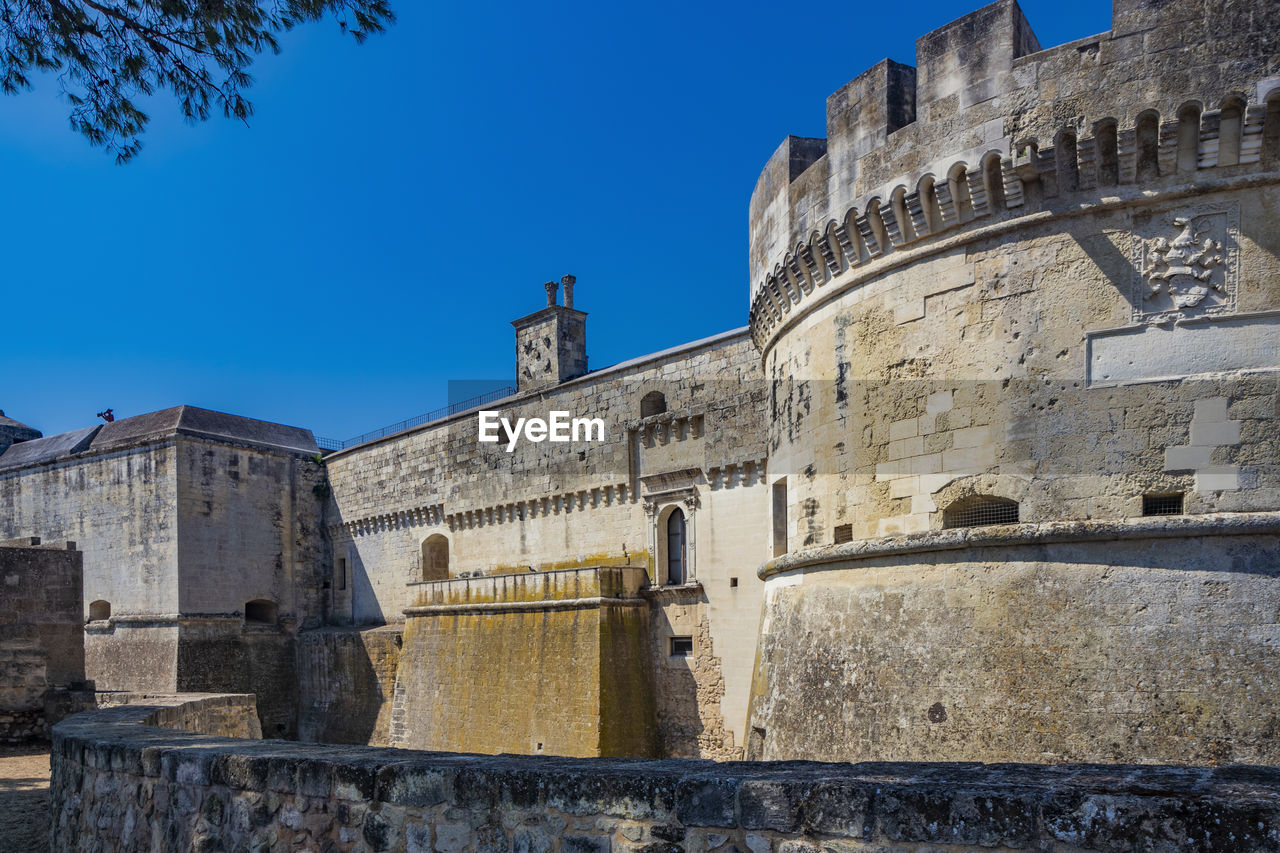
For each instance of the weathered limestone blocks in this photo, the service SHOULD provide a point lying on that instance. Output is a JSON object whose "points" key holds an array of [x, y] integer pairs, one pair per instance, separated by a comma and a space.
{"points": [[40, 642], [120, 784], [346, 683], [1147, 641], [553, 662]]}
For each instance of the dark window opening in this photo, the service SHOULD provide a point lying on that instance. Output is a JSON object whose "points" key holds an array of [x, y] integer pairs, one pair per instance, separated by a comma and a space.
{"points": [[99, 610], [260, 612], [1068, 166], [980, 511], [435, 558], [1188, 138], [1108, 155], [341, 571], [780, 517], [675, 548], [844, 533], [681, 647], [994, 182], [1170, 504], [653, 403], [1148, 146], [733, 582]]}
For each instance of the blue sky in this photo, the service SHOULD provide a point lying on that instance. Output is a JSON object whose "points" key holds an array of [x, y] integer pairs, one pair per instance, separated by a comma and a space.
{"points": [[392, 206]]}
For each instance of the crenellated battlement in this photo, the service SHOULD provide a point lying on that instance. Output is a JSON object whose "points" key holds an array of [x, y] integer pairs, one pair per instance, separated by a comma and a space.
{"points": [[990, 127]]}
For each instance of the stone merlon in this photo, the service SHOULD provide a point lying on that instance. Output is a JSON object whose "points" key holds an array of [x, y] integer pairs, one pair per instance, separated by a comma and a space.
{"points": [[983, 88]]}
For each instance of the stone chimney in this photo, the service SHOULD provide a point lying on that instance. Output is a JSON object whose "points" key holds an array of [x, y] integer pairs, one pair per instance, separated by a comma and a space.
{"points": [[551, 345]]}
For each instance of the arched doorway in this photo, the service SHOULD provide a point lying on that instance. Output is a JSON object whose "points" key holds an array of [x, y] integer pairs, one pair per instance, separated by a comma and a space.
{"points": [[677, 552]]}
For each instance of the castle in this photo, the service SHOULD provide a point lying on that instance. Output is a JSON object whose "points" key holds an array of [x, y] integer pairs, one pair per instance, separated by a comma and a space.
{"points": [[991, 474]]}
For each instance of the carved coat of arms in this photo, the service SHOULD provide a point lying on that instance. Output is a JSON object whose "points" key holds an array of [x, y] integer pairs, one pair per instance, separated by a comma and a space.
{"points": [[1189, 272]]}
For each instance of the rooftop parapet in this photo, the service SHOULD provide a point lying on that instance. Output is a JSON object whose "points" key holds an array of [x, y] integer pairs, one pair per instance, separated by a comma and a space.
{"points": [[990, 125]]}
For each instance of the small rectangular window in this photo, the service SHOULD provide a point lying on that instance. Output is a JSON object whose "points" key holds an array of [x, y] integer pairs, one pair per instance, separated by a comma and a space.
{"points": [[342, 573], [733, 582], [681, 647], [844, 533], [1170, 504]]}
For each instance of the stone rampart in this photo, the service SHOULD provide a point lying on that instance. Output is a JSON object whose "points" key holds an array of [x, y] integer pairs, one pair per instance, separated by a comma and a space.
{"points": [[988, 127], [41, 646], [554, 662], [1148, 641], [346, 681], [120, 783]]}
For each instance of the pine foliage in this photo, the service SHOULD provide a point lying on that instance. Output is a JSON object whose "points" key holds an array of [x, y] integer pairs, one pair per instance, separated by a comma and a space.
{"points": [[107, 53]]}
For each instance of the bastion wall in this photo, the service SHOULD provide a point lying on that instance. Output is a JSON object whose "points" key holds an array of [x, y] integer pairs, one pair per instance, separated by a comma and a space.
{"points": [[184, 517], [41, 645], [120, 782], [560, 506], [1036, 288]]}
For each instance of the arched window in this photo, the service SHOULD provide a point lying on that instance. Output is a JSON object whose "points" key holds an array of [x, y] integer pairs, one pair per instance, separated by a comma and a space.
{"points": [[1229, 128], [1188, 138], [1068, 166], [653, 403], [435, 558], [1108, 153], [260, 612], [980, 511], [676, 556], [1147, 140], [994, 182], [99, 610]]}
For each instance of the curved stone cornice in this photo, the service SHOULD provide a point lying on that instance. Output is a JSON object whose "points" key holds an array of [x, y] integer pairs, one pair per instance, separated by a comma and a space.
{"points": [[848, 555]]}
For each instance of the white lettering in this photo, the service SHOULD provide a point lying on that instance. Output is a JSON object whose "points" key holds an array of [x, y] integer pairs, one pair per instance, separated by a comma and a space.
{"points": [[588, 424], [559, 426], [513, 433], [489, 426]]}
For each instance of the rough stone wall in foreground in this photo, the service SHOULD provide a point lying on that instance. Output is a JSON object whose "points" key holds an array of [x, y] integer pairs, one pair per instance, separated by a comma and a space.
{"points": [[40, 639], [120, 785]]}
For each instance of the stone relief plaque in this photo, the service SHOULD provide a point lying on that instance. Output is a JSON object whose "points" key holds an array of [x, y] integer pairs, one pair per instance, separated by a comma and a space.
{"points": [[1186, 263]]}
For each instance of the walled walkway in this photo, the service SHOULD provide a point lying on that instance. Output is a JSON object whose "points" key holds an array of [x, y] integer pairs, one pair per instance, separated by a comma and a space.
{"points": [[24, 798]]}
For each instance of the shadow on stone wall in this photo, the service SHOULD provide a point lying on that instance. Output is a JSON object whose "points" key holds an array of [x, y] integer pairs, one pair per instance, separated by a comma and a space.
{"points": [[345, 682]]}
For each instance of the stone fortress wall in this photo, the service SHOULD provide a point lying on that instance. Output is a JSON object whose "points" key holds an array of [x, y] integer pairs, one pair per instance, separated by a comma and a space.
{"points": [[1040, 287], [1002, 432], [41, 642], [168, 774], [558, 507], [184, 517]]}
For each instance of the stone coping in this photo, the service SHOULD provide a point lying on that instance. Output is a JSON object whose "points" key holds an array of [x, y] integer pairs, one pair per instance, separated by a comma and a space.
{"points": [[834, 557], [965, 806]]}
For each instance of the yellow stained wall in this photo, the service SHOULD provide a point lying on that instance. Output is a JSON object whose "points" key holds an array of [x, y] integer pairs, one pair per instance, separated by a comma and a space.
{"points": [[552, 663]]}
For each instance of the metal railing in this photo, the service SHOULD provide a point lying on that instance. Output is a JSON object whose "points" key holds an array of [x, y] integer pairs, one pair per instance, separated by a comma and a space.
{"points": [[447, 411]]}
